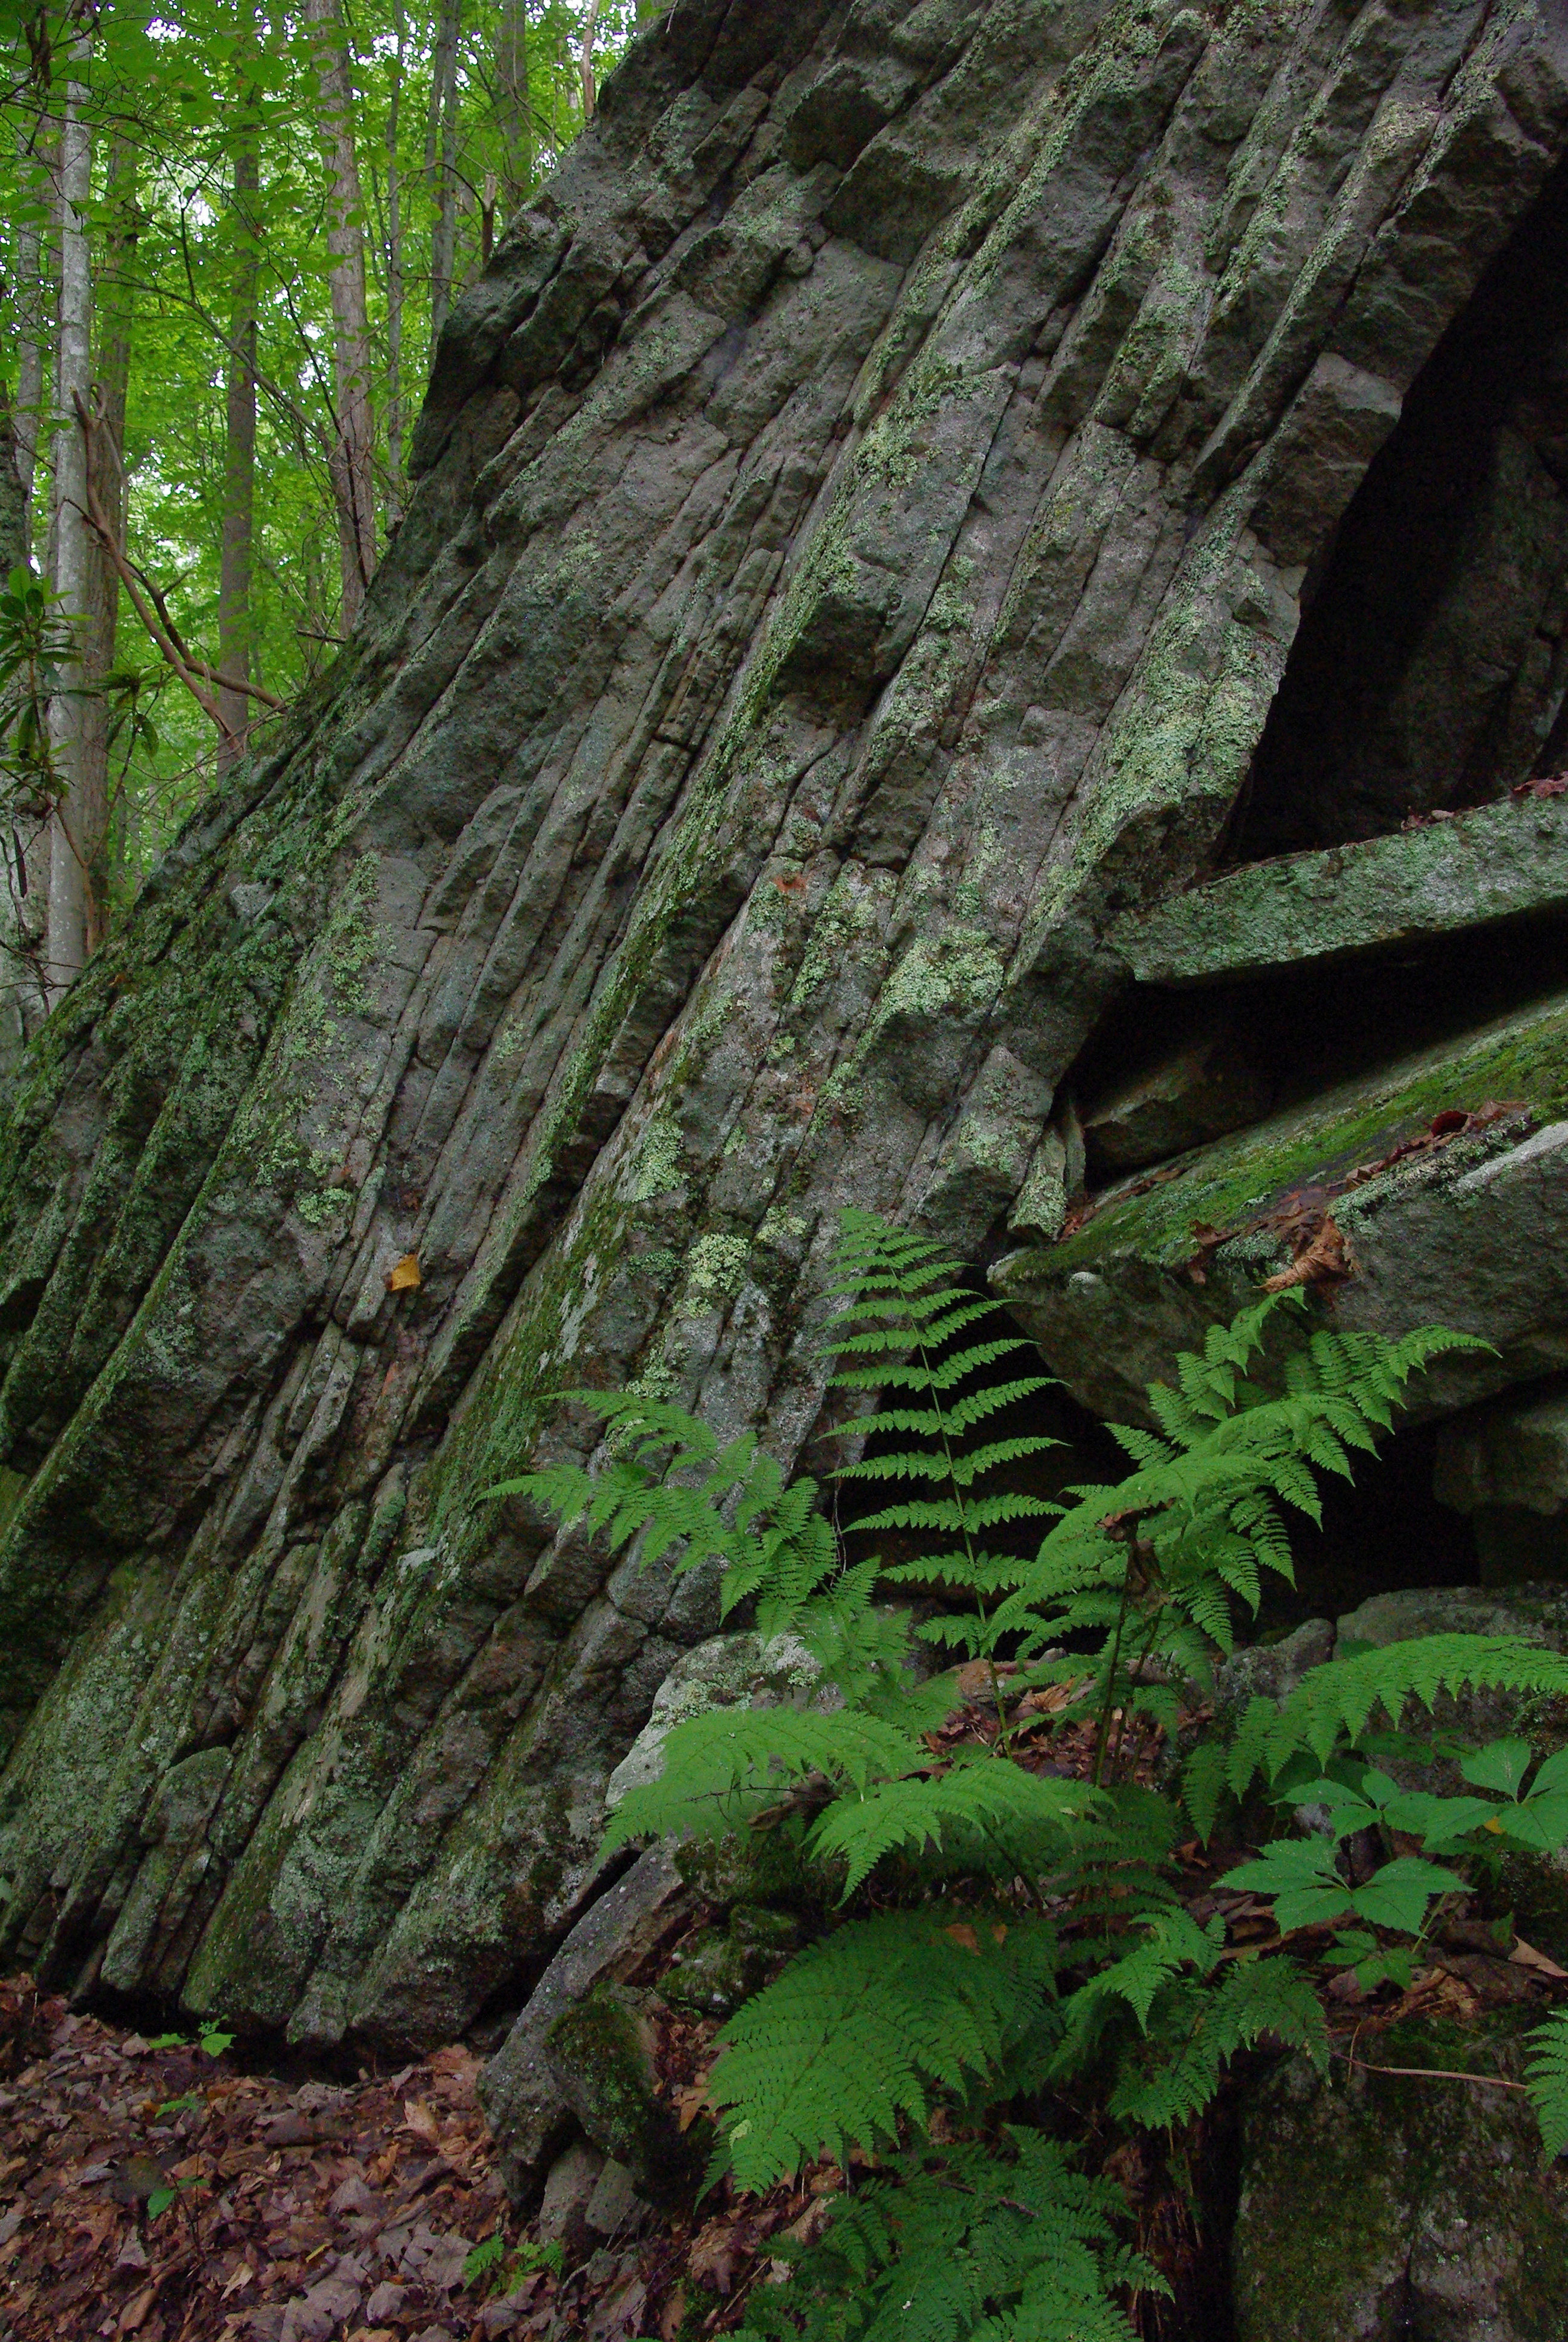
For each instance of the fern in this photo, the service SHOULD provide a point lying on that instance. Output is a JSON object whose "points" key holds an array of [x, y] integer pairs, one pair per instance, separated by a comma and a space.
{"points": [[1016, 2247], [1546, 2079], [723, 1766], [978, 1805], [902, 1309], [1196, 2029], [861, 2029], [1044, 1881], [1337, 1701]]}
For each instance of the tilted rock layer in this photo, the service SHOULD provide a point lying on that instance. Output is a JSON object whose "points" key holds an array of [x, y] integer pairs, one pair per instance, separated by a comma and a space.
{"points": [[862, 520]]}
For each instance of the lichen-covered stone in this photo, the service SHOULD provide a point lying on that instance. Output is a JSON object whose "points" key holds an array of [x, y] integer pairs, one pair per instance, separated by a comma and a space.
{"points": [[601, 2052], [1495, 862], [861, 513], [718, 1969], [520, 2089], [726, 1671], [1470, 1234]]}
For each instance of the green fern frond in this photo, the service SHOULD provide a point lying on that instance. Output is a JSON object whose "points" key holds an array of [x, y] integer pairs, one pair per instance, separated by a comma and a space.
{"points": [[1172, 2076], [1546, 2079], [1340, 1697], [930, 1375], [863, 2028], [963, 2245], [722, 1768], [980, 1795]]}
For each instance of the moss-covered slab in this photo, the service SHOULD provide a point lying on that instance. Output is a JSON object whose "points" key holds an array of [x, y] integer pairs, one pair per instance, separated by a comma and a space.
{"points": [[1498, 862], [1374, 2207], [1454, 1212]]}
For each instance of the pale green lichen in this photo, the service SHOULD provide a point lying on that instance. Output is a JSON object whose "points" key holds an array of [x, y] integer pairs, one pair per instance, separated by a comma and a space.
{"points": [[715, 1267], [657, 1166]]}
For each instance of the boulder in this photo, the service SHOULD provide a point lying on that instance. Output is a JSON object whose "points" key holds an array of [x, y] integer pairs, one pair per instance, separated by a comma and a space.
{"points": [[1507, 1467], [570, 2185], [857, 533], [726, 1671], [718, 1969], [1207, 1084], [603, 2052], [1373, 2208], [521, 2091]]}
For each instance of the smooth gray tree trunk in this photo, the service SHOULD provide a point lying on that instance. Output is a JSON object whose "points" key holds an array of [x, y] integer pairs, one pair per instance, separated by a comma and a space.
{"points": [[77, 827]]}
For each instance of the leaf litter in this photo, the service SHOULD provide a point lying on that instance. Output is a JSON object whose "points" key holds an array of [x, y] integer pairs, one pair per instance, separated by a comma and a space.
{"points": [[154, 2192]]}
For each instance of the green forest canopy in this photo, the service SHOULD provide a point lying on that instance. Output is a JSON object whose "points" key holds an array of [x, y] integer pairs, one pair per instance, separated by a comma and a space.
{"points": [[221, 132]]}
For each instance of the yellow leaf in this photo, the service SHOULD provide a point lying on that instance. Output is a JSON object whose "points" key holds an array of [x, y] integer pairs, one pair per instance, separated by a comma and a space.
{"points": [[405, 1277]]}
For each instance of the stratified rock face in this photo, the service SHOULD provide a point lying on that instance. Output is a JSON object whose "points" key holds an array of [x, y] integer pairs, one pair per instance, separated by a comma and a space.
{"points": [[862, 515]]}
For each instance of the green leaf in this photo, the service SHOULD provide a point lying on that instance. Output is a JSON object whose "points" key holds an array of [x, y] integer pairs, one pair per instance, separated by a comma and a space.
{"points": [[1397, 1894], [1546, 2079], [1502, 1764]]}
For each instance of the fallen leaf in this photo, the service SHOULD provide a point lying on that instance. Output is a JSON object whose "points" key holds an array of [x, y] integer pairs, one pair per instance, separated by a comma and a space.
{"points": [[405, 1277], [962, 1933], [691, 2101], [135, 2311], [1322, 1261], [458, 2061], [673, 2316], [1525, 1955]]}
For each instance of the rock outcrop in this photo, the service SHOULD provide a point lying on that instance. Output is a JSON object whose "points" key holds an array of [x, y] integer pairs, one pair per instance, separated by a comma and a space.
{"points": [[1374, 2207], [865, 510]]}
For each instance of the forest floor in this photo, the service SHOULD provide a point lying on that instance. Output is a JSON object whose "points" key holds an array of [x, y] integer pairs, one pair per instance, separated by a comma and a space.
{"points": [[171, 2192], [154, 2190]]}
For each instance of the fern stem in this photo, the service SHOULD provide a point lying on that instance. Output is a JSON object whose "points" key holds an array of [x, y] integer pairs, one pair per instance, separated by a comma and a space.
{"points": [[1134, 1674], [1427, 2073], [1109, 1709], [941, 1414]]}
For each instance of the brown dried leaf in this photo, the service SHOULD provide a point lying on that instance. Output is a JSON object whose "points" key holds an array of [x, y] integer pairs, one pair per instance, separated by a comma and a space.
{"points": [[1525, 1955], [405, 1277], [1324, 1260]]}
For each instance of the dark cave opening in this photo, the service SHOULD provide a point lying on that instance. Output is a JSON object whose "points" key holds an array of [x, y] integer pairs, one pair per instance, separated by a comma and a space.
{"points": [[1431, 666], [1299, 1030]]}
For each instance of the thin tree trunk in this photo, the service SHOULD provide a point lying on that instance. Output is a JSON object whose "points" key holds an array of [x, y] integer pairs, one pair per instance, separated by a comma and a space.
{"points": [[77, 827], [585, 60], [33, 266], [394, 289], [440, 158], [353, 467], [19, 998], [240, 448], [516, 107], [106, 475]]}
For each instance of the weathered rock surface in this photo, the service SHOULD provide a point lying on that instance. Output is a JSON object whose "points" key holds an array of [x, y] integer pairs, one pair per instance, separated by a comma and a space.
{"points": [[1375, 2207], [1468, 1228], [726, 1671], [862, 517], [525, 2100], [1507, 1467], [1500, 862]]}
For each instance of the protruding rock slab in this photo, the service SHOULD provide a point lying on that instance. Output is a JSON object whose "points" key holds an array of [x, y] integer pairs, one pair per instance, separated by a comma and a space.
{"points": [[1446, 1176], [1499, 862], [1506, 1468]]}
